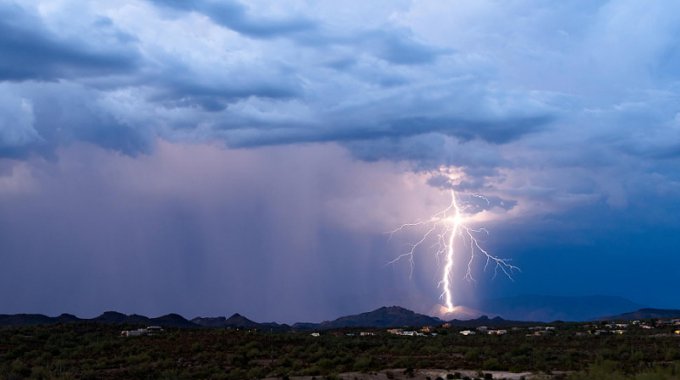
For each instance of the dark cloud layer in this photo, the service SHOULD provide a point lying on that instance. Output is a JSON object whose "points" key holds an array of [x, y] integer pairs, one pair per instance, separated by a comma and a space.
{"points": [[32, 52], [235, 16], [106, 58], [497, 132]]}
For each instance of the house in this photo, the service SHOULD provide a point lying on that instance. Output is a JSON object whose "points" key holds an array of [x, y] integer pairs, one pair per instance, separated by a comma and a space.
{"points": [[128, 333], [154, 330], [151, 330], [497, 332], [545, 331], [467, 332], [366, 333], [315, 334]]}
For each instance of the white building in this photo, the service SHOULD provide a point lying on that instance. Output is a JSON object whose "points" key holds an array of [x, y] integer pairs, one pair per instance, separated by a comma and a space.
{"points": [[150, 330], [497, 332]]}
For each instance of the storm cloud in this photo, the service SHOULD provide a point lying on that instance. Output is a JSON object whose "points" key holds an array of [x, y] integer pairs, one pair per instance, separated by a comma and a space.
{"points": [[564, 117], [30, 51]]}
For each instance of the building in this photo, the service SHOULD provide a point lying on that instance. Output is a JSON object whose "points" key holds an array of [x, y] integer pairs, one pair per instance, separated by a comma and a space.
{"points": [[150, 330], [497, 332], [154, 330]]}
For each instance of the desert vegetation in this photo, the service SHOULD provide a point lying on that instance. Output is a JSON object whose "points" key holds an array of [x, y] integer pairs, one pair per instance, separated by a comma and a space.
{"points": [[97, 351]]}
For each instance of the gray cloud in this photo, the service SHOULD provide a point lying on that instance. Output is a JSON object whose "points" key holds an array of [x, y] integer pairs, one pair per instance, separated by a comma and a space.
{"points": [[17, 134], [235, 16], [391, 87], [177, 87], [397, 46], [230, 88], [497, 132], [31, 52], [394, 45]]}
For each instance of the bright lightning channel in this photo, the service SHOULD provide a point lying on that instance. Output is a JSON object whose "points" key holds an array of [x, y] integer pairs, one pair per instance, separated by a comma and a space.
{"points": [[446, 227]]}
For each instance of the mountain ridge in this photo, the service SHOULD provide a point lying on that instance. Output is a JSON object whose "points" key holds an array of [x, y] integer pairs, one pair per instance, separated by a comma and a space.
{"points": [[536, 307], [383, 317], [108, 317], [644, 313]]}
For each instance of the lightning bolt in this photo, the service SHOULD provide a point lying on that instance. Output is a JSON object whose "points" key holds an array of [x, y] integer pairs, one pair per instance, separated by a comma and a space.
{"points": [[446, 227]]}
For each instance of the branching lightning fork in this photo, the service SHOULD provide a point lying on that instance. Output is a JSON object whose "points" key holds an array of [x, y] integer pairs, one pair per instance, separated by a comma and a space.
{"points": [[446, 227]]}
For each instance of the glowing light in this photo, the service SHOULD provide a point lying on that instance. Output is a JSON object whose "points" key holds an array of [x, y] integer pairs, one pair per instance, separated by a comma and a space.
{"points": [[446, 228]]}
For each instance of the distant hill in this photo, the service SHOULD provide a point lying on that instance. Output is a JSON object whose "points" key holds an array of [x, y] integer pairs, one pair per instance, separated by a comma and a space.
{"points": [[518, 311], [646, 313], [238, 321], [489, 322], [171, 320], [384, 317], [25, 319], [109, 317], [212, 322], [553, 308]]}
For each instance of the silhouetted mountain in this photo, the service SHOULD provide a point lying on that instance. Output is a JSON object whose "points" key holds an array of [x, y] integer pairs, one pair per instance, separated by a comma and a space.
{"points": [[552, 308], [646, 313], [24, 319], [116, 318], [237, 321], [111, 317], [136, 319], [384, 317], [212, 322], [489, 322], [273, 326], [171, 320], [67, 318], [543, 308], [305, 326]]}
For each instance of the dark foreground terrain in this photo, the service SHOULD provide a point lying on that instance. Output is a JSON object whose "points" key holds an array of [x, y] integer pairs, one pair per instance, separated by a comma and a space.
{"points": [[596, 350]]}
